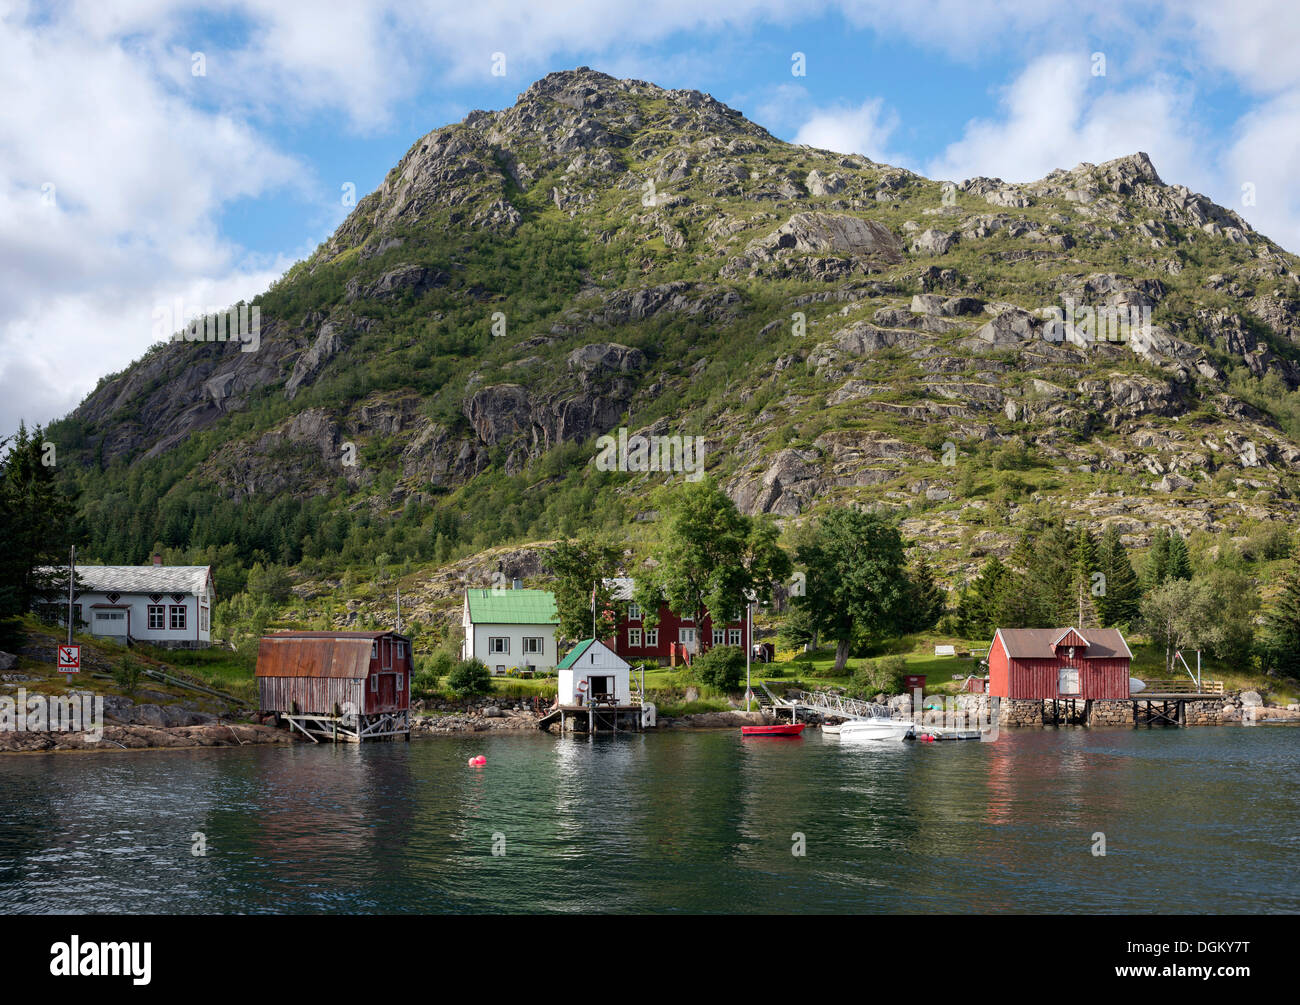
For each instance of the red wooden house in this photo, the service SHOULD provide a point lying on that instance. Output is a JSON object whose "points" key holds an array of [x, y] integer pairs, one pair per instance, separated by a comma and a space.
{"points": [[347, 685], [674, 639], [1059, 663]]}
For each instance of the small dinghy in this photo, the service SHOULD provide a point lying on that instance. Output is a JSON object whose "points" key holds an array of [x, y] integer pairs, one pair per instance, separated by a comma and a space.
{"points": [[787, 729], [833, 728]]}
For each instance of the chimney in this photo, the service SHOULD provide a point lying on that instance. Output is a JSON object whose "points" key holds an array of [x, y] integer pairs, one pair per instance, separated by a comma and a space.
{"points": [[157, 559]]}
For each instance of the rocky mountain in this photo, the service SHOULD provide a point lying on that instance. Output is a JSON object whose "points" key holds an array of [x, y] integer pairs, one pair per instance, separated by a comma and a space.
{"points": [[606, 253]]}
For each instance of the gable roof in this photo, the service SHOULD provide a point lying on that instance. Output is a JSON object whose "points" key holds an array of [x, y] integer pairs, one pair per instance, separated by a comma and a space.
{"points": [[139, 578], [512, 607], [307, 656], [1040, 643], [574, 653]]}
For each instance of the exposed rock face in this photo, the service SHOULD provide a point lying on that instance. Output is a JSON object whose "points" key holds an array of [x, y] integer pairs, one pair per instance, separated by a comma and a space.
{"points": [[658, 254], [933, 242], [836, 233]]}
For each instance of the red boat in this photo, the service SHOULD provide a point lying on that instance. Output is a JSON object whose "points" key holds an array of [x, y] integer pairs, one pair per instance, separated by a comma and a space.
{"points": [[789, 729]]}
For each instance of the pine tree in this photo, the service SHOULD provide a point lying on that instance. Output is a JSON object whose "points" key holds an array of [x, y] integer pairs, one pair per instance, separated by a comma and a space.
{"points": [[1120, 598], [35, 520]]}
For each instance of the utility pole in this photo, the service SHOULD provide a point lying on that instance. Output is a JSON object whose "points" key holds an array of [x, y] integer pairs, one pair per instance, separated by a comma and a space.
{"points": [[749, 649], [399, 609], [72, 578]]}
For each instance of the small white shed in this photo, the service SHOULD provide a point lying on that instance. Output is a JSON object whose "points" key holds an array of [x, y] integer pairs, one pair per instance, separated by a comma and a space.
{"points": [[593, 670]]}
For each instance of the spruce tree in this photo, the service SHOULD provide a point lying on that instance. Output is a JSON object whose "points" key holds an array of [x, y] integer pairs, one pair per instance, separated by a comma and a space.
{"points": [[1120, 600], [1180, 562], [1155, 570], [1282, 622], [926, 599], [1085, 565]]}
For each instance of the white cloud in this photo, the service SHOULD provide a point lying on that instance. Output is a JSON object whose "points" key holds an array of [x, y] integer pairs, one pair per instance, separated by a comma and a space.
{"points": [[861, 129], [109, 189]]}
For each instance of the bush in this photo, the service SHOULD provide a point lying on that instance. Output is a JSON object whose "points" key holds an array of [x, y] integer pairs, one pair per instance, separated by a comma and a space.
{"points": [[127, 675], [722, 667], [882, 675], [469, 677]]}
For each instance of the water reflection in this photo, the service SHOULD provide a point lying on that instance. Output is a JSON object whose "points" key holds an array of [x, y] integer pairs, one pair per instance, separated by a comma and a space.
{"points": [[676, 822]]}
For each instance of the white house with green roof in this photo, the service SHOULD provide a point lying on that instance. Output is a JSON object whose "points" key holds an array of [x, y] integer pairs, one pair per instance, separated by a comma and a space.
{"points": [[594, 672], [510, 628]]}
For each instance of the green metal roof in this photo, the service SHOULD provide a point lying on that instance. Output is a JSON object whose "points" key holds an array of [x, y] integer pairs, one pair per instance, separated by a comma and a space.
{"points": [[512, 607], [578, 650]]}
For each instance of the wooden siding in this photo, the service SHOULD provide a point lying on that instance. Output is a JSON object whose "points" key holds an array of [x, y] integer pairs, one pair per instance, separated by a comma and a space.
{"points": [[998, 669], [312, 695]]}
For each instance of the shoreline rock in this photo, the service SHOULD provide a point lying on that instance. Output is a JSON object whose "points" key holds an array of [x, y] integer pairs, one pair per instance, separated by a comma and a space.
{"points": [[141, 737]]}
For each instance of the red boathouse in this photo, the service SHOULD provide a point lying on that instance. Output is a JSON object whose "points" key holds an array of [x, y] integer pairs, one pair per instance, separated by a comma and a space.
{"points": [[349, 686], [1059, 663]]}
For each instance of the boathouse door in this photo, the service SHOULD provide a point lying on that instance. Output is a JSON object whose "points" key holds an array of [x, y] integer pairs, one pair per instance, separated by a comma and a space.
{"points": [[1069, 681], [601, 686]]}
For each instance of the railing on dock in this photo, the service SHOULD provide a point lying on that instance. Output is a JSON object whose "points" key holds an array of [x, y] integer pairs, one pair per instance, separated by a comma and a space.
{"points": [[1179, 685], [839, 705]]}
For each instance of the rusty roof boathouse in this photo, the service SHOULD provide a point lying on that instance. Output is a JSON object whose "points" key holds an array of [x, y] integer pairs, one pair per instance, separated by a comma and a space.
{"points": [[340, 686]]}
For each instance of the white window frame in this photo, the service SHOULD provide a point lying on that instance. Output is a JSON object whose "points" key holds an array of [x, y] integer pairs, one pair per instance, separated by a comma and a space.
{"points": [[161, 611], [733, 636], [374, 683], [634, 638], [539, 641], [633, 611], [493, 650], [399, 683], [682, 636], [172, 611], [651, 638]]}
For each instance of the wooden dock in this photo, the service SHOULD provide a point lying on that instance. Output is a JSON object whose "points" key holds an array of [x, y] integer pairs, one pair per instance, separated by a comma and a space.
{"points": [[594, 718]]}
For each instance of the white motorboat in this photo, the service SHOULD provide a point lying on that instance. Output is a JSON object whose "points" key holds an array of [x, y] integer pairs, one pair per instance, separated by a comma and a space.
{"points": [[876, 729], [833, 728]]}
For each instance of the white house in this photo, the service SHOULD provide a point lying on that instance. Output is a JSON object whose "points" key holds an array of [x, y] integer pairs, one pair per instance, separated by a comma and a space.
{"points": [[594, 671], [161, 605], [510, 628]]}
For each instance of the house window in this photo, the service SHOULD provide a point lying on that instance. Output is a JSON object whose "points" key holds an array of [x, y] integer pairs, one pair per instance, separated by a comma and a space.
{"points": [[374, 650], [634, 638], [651, 637], [633, 612], [399, 650], [203, 619], [178, 619], [501, 670], [157, 617], [718, 636], [534, 646], [374, 683], [399, 683], [501, 644], [733, 636]]}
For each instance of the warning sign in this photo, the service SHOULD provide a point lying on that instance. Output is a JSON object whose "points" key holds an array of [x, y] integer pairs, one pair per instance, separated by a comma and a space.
{"points": [[70, 659]]}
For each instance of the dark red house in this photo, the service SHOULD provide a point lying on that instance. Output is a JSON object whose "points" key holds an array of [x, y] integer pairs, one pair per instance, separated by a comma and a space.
{"points": [[673, 637], [348, 685], [1059, 663]]}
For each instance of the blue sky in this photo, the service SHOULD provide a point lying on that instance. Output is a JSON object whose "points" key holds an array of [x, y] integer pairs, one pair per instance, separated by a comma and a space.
{"points": [[127, 181]]}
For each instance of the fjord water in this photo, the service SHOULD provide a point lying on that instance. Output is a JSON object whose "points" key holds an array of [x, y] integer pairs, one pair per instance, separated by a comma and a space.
{"points": [[1195, 820]]}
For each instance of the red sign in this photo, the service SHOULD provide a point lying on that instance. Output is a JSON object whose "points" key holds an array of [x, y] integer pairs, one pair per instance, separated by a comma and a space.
{"points": [[70, 659]]}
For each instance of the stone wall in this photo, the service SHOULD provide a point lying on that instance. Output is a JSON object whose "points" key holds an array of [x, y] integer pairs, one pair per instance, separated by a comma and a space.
{"points": [[1112, 713]]}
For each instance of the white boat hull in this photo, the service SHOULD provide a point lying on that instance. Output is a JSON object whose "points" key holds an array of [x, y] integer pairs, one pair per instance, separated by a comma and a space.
{"points": [[832, 728], [876, 729]]}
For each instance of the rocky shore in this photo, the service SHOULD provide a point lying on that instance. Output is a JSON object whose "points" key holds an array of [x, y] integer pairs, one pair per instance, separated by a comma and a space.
{"points": [[221, 734]]}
